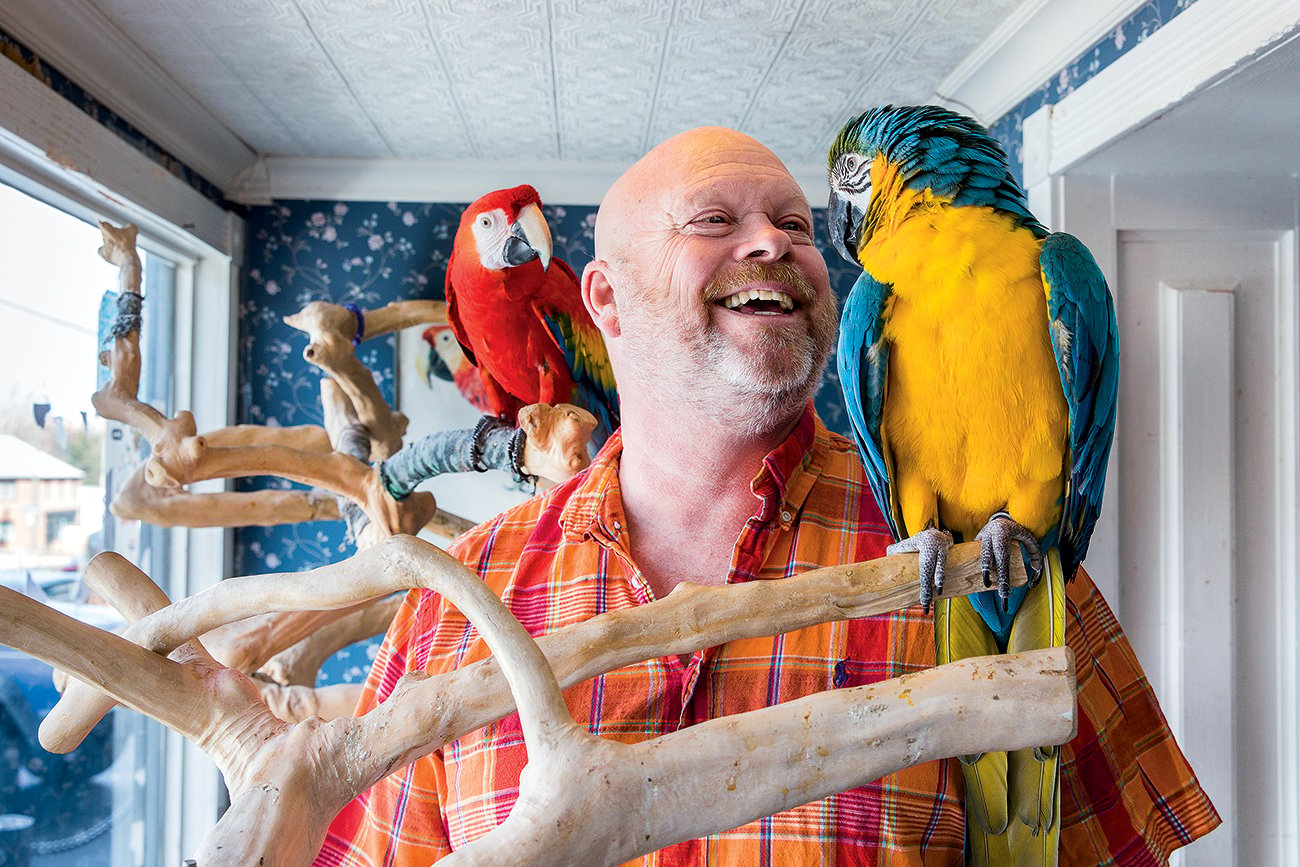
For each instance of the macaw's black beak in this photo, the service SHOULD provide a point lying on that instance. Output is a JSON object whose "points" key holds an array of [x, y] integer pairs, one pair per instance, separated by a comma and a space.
{"points": [[530, 238], [845, 221], [438, 368]]}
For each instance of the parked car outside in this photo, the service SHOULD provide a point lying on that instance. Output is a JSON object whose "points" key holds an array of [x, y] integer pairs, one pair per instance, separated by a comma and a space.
{"points": [[53, 789]]}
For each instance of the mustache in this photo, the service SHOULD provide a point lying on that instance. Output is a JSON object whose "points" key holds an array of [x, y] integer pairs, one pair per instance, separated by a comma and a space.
{"points": [[748, 273]]}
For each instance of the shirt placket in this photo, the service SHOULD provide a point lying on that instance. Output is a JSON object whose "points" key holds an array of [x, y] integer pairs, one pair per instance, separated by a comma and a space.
{"points": [[747, 558]]}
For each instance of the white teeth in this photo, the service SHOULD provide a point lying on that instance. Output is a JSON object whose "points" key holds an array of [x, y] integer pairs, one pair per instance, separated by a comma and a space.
{"points": [[746, 295]]}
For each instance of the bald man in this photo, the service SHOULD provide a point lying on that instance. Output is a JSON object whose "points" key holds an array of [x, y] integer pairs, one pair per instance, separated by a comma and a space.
{"points": [[719, 318], [708, 386]]}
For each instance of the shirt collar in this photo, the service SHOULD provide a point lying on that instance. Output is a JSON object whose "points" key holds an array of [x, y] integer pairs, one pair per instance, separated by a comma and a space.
{"points": [[596, 506]]}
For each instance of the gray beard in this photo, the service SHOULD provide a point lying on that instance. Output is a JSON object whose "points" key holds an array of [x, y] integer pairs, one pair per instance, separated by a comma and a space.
{"points": [[774, 379], [762, 388]]}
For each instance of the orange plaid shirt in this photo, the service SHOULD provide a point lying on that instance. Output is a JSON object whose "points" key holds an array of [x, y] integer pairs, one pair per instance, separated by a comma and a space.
{"points": [[1128, 795]]}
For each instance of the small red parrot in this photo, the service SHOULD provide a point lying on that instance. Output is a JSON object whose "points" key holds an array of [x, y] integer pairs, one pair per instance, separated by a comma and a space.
{"points": [[447, 361], [518, 313]]}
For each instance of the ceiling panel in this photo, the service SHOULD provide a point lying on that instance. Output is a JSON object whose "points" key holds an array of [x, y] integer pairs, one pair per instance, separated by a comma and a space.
{"points": [[561, 80]]}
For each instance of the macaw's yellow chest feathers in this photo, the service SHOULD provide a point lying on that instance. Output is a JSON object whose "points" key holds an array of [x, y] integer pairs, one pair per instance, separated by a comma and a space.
{"points": [[975, 420]]}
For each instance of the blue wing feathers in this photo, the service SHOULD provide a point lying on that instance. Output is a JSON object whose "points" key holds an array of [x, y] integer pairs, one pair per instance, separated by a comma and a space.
{"points": [[1080, 306], [863, 359]]}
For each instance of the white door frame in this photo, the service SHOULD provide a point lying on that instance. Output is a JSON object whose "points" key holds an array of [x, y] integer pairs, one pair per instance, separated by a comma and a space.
{"points": [[1196, 49]]}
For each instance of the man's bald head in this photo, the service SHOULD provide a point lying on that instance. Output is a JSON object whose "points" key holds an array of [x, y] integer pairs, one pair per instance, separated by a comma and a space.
{"points": [[645, 188], [712, 297]]}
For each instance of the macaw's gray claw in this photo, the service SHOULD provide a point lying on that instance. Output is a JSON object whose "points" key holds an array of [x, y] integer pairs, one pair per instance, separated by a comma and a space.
{"points": [[995, 548], [932, 545]]}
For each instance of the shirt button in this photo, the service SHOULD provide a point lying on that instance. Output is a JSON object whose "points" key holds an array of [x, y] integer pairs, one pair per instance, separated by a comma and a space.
{"points": [[618, 526], [786, 516]]}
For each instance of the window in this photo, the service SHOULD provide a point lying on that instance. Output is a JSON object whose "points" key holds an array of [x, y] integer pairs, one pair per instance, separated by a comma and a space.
{"points": [[159, 808], [54, 524], [103, 803]]}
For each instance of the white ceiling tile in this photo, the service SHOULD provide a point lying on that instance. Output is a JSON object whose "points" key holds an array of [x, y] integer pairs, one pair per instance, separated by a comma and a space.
{"points": [[576, 80]]}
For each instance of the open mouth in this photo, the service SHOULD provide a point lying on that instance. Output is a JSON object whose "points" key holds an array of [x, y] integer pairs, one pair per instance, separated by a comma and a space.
{"points": [[762, 302]]}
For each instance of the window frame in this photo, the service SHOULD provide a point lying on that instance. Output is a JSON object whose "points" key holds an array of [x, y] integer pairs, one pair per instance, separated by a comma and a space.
{"points": [[99, 176]]}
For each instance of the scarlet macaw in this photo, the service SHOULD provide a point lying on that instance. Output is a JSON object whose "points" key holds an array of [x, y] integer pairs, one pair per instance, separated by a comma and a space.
{"points": [[447, 361], [518, 313], [979, 359]]}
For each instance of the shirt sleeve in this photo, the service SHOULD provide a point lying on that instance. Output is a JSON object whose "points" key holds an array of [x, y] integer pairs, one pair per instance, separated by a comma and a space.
{"points": [[1128, 794]]}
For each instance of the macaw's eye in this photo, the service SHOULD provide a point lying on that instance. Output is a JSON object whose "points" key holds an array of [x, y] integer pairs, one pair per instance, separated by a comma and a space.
{"points": [[485, 221], [851, 163]]}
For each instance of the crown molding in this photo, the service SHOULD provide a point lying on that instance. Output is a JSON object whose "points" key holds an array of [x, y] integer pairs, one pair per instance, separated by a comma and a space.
{"points": [[1026, 50], [90, 50], [559, 182], [1208, 42]]}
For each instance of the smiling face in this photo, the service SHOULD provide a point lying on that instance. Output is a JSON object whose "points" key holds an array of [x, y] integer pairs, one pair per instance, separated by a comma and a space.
{"points": [[721, 295]]}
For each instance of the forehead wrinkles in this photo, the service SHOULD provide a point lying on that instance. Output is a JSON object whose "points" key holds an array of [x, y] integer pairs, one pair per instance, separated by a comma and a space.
{"points": [[739, 186]]}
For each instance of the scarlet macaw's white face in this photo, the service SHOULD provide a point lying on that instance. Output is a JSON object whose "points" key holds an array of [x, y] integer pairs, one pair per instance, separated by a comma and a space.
{"points": [[505, 244], [444, 343]]}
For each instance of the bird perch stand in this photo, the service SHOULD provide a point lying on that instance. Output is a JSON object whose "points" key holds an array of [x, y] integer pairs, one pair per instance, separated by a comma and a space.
{"points": [[287, 781]]}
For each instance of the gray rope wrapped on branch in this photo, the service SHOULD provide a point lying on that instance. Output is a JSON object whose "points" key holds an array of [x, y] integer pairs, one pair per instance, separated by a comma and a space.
{"points": [[491, 444]]}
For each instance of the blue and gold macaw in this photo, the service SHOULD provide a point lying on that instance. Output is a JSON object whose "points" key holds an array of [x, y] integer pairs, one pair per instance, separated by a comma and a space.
{"points": [[979, 359]]}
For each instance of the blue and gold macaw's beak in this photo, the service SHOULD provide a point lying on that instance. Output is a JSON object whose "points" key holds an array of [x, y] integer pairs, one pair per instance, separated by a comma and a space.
{"points": [[845, 220], [529, 239]]}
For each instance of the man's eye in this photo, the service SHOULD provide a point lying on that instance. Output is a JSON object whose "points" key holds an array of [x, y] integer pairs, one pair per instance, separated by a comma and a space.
{"points": [[793, 226], [715, 218]]}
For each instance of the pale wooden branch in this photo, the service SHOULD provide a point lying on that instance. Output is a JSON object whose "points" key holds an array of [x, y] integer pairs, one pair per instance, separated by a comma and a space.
{"points": [[276, 769], [588, 800], [117, 399], [305, 437], [119, 249], [287, 680], [424, 713], [300, 663], [219, 709], [556, 448], [297, 703], [453, 704], [330, 329], [180, 456], [177, 507]]}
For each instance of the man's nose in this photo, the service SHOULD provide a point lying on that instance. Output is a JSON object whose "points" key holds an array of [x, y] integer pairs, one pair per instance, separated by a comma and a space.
{"points": [[764, 242]]}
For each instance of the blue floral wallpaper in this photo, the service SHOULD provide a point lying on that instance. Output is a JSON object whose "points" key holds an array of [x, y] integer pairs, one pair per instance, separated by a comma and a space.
{"points": [[368, 254], [1145, 20]]}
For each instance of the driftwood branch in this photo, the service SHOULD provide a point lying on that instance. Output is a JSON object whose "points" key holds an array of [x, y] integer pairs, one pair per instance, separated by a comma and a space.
{"points": [[300, 663], [287, 680], [177, 507], [276, 770], [587, 800], [180, 456], [331, 330]]}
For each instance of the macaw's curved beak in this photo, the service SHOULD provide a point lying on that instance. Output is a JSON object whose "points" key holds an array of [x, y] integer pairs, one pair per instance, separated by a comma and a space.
{"points": [[845, 222], [530, 238]]}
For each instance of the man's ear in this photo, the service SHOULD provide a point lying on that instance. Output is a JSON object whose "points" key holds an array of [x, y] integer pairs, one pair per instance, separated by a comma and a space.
{"points": [[598, 297]]}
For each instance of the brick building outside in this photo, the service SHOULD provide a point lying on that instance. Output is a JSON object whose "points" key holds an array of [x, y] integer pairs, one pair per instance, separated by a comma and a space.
{"points": [[39, 498]]}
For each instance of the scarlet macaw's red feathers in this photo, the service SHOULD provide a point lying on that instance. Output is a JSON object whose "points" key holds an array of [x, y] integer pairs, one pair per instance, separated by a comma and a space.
{"points": [[518, 314]]}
